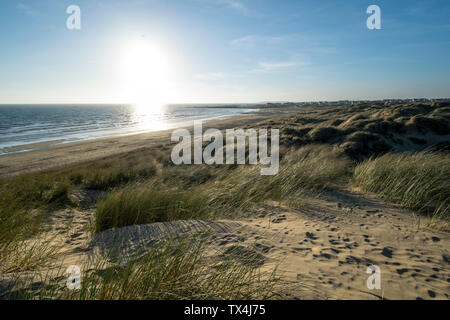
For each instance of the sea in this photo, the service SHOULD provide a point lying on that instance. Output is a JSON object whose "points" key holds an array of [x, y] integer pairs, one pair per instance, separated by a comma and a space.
{"points": [[29, 127]]}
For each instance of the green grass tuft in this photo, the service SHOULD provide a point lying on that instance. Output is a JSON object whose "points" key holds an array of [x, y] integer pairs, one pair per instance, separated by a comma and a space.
{"points": [[420, 182], [175, 269], [147, 203], [228, 193]]}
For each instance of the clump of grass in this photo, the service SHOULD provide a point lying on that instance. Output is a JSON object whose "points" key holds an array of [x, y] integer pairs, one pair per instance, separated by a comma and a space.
{"points": [[32, 191], [310, 169], [24, 198], [23, 255], [246, 255], [12, 225], [59, 195], [420, 182], [147, 203], [19, 197], [169, 270], [313, 167], [190, 176], [17, 253], [108, 179], [324, 134], [422, 124], [19, 218], [361, 144]]}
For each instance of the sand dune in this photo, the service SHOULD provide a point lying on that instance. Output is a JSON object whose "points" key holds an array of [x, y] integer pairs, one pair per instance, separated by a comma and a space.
{"points": [[322, 250]]}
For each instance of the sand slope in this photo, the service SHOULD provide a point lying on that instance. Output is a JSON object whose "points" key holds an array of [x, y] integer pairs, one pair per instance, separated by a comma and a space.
{"points": [[323, 250]]}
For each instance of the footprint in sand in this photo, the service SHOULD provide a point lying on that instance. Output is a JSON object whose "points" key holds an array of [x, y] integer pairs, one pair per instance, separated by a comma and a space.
{"points": [[387, 252], [311, 236], [402, 271], [279, 219], [326, 255], [262, 247], [76, 235], [356, 260]]}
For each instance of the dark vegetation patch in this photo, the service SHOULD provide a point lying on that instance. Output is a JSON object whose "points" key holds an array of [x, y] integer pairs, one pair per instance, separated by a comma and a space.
{"points": [[370, 129]]}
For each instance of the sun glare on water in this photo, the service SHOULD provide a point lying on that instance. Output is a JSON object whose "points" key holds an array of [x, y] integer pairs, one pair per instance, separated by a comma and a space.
{"points": [[145, 77]]}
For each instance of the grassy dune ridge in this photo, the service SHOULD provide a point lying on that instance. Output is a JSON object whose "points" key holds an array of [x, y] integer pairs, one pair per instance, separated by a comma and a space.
{"points": [[369, 129], [309, 169]]}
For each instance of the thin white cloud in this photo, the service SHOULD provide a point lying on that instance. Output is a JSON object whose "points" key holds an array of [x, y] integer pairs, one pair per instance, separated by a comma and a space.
{"points": [[258, 40], [26, 9], [288, 43], [237, 6], [420, 9], [274, 66], [277, 65], [211, 76]]}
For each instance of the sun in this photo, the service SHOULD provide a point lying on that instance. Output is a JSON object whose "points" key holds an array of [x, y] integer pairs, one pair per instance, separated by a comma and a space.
{"points": [[145, 76]]}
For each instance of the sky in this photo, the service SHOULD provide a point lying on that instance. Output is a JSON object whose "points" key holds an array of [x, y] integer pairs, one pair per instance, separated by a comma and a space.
{"points": [[222, 51]]}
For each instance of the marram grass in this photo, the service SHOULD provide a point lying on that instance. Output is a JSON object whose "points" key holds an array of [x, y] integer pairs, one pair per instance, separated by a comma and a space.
{"points": [[420, 182], [171, 269]]}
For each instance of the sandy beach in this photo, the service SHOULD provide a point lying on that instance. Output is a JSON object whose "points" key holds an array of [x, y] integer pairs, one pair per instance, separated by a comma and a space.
{"points": [[49, 155]]}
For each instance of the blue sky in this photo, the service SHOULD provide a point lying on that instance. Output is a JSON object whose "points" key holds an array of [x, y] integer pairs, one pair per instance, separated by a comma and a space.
{"points": [[227, 50]]}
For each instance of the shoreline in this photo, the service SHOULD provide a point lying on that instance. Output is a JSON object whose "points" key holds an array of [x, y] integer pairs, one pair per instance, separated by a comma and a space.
{"points": [[44, 143], [50, 155]]}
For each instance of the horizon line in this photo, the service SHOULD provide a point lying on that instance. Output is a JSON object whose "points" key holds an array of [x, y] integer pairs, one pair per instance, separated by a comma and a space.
{"points": [[225, 103]]}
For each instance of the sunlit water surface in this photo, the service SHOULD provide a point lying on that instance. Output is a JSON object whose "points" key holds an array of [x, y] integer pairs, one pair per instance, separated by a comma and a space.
{"points": [[29, 124]]}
